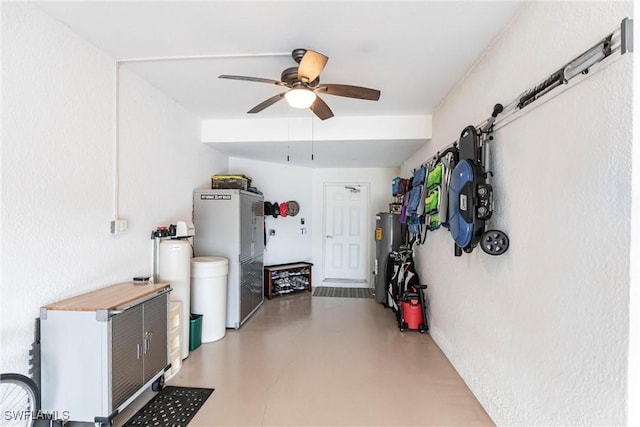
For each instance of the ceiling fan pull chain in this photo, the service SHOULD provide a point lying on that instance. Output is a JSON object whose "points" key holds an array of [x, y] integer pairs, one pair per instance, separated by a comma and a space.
{"points": [[288, 137]]}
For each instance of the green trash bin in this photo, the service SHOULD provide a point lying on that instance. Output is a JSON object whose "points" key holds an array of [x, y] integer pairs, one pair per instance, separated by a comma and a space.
{"points": [[195, 331]]}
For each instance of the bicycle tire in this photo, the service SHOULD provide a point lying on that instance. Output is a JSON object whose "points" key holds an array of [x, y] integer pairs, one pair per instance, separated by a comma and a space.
{"points": [[19, 400]]}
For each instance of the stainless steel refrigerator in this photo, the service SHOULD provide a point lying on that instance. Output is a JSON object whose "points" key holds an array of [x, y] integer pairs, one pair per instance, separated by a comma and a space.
{"points": [[388, 238], [229, 223]]}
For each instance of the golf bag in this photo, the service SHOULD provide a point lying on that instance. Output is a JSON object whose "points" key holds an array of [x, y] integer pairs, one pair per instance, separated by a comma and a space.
{"points": [[405, 294]]}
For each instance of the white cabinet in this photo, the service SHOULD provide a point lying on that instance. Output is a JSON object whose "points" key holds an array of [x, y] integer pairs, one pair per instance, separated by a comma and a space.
{"points": [[175, 353], [102, 349]]}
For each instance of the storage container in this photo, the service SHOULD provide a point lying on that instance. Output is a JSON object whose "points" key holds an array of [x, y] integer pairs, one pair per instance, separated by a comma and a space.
{"points": [[209, 294], [195, 331], [234, 182]]}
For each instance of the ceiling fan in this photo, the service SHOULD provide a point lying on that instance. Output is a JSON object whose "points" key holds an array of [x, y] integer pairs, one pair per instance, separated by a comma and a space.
{"points": [[304, 85]]}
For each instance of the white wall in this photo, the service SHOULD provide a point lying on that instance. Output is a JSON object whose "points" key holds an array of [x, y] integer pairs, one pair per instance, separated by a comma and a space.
{"points": [[281, 183], [540, 334], [57, 171], [633, 395], [379, 181]]}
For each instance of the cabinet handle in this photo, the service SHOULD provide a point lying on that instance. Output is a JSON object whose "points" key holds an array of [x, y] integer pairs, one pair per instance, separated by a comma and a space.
{"points": [[147, 341], [138, 350]]}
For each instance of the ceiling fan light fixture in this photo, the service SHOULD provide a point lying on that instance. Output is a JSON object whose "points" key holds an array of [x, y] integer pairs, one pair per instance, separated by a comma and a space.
{"points": [[300, 97]]}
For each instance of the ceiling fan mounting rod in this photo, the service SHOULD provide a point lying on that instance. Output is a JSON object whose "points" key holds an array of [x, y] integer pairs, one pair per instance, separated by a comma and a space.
{"points": [[202, 57]]}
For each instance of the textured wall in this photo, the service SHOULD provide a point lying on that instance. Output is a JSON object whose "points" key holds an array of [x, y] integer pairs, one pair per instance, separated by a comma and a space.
{"points": [[633, 416], [57, 171], [540, 334]]}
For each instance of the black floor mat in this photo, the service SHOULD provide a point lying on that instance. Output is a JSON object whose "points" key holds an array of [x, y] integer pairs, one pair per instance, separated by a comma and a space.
{"points": [[172, 407], [328, 291]]}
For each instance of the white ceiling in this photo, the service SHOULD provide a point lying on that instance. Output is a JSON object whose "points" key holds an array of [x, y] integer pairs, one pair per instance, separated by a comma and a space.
{"points": [[413, 52]]}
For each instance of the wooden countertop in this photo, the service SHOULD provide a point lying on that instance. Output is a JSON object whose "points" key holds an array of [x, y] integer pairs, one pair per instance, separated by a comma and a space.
{"points": [[108, 298]]}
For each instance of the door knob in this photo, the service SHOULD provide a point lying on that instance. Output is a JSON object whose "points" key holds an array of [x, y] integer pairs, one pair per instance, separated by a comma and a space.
{"points": [[329, 237]]}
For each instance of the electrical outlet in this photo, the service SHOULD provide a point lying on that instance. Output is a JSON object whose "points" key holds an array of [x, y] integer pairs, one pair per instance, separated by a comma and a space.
{"points": [[118, 226]]}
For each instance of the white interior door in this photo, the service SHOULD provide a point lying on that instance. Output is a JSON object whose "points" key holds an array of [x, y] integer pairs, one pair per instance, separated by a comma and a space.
{"points": [[346, 213]]}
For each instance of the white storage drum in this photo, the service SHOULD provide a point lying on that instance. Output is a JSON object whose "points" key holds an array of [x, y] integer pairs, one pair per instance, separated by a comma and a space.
{"points": [[209, 295]]}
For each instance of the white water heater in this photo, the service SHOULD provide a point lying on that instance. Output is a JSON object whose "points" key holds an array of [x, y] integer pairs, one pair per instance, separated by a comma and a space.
{"points": [[175, 269]]}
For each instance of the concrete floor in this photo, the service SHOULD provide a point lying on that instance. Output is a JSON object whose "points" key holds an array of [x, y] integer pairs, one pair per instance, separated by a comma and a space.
{"points": [[303, 361]]}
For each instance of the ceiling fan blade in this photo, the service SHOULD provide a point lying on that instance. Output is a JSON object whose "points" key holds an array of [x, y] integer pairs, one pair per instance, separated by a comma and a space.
{"points": [[350, 91], [266, 103], [252, 79], [311, 66], [321, 109]]}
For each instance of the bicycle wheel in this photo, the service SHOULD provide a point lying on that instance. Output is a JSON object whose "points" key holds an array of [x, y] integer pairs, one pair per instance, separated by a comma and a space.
{"points": [[19, 400]]}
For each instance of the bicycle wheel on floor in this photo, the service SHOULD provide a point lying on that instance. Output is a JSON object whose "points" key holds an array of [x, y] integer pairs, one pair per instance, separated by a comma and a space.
{"points": [[19, 400]]}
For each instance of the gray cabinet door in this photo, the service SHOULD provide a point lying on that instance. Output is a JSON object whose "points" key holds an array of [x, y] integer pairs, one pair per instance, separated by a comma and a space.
{"points": [[247, 228], [155, 336], [251, 226], [251, 286], [246, 295], [257, 281], [126, 355]]}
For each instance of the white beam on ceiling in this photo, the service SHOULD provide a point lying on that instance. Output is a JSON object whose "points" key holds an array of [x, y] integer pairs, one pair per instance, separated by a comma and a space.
{"points": [[310, 129]]}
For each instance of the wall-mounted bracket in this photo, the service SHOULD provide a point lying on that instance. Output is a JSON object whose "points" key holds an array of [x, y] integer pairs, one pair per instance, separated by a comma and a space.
{"points": [[596, 58], [626, 36], [572, 73]]}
